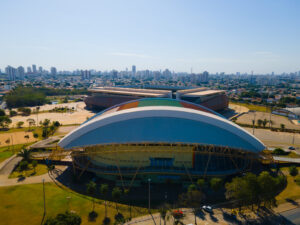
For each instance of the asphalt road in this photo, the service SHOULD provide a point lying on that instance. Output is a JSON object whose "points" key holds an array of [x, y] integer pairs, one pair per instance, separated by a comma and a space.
{"points": [[292, 215]]}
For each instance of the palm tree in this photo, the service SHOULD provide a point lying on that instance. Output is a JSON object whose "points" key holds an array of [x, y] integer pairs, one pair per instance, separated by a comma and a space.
{"points": [[34, 165], [163, 213], [25, 153], [104, 191], [264, 123], [91, 189], [116, 195], [259, 122]]}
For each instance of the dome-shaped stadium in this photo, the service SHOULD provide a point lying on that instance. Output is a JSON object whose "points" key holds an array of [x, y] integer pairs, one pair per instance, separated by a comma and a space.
{"points": [[165, 139]]}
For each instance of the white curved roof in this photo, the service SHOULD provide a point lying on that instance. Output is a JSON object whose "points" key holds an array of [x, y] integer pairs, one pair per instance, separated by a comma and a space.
{"points": [[161, 124]]}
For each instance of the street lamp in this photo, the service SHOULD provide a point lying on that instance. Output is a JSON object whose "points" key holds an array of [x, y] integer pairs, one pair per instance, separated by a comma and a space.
{"points": [[149, 180], [44, 196]]}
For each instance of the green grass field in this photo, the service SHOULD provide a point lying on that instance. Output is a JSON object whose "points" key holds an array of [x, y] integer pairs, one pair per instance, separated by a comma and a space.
{"points": [[6, 152], [292, 191], [39, 170], [253, 107], [23, 204]]}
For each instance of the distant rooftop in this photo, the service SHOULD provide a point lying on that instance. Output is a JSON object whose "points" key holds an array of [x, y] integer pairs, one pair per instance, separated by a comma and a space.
{"points": [[204, 93], [132, 91]]}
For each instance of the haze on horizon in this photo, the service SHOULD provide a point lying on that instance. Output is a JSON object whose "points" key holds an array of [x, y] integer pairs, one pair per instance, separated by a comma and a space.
{"points": [[217, 36]]}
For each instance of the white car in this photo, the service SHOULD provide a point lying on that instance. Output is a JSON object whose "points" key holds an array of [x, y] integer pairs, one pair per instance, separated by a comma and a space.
{"points": [[207, 208]]}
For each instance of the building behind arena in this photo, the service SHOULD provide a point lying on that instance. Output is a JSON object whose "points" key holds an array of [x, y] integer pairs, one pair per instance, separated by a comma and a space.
{"points": [[105, 97], [162, 139]]}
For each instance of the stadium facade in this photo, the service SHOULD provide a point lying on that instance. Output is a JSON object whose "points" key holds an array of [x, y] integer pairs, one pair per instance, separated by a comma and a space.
{"points": [[165, 139], [105, 97]]}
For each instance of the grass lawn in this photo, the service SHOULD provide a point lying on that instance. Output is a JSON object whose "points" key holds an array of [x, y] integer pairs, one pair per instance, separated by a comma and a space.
{"points": [[6, 152], [23, 204], [292, 191], [39, 170], [258, 108]]}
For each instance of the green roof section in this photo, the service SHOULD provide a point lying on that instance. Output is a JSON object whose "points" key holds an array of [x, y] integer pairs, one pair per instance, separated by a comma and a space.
{"points": [[159, 102]]}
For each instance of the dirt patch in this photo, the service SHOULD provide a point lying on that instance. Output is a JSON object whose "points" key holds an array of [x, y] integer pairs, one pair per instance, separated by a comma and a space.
{"points": [[16, 138]]}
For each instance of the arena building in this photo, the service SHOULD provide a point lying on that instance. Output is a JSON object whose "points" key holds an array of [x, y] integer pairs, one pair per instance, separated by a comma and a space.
{"points": [[164, 139], [105, 97]]}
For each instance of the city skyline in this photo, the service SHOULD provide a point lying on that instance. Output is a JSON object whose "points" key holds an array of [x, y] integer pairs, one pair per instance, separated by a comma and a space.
{"points": [[215, 36]]}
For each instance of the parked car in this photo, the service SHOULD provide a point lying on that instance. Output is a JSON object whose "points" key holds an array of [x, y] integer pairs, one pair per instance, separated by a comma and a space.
{"points": [[207, 208], [291, 148]]}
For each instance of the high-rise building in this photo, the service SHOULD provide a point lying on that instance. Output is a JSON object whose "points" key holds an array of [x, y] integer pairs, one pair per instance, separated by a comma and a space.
{"points": [[11, 72], [53, 71], [29, 69], [40, 69], [133, 70], [85, 74], [34, 68], [204, 77], [21, 72]]}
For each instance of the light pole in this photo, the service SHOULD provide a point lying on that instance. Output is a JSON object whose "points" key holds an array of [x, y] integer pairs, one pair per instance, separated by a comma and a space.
{"points": [[253, 122], [149, 180], [44, 196]]}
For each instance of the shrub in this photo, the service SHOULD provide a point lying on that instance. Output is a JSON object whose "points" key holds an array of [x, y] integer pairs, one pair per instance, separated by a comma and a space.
{"points": [[12, 113], [279, 151], [293, 171], [69, 218], [23, 165]]}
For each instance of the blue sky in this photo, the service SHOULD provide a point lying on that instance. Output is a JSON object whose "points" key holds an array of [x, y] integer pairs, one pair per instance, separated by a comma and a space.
{"points": [[212, 35]]}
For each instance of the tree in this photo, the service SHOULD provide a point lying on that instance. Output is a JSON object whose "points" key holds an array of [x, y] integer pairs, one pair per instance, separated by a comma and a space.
{"points": [[267, 189], [27, 137], [7, 141], [293, 171], [264, 123], [236, 190], [163, 213], [192, 199], [67, 218], [25, 111], [91, 189], [279, 151], [12, 113], [126, 193], [2, 112], [259, 122], [282, 127], [23, 165], [116, 195], [20, 124], [25, 154], [46, 122], [34, 164], [103, 192], [200, 183], [31, 122], [4, 121], [216, 183], [192, 187], [35, 135]]}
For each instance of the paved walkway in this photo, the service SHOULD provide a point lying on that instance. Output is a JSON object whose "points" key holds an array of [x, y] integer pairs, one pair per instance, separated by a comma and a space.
{"points": [[8, 166]]}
